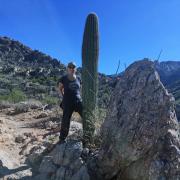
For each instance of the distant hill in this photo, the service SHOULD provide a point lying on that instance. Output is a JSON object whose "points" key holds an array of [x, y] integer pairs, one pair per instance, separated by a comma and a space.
{"points": [[169, 72], [36, 75]]}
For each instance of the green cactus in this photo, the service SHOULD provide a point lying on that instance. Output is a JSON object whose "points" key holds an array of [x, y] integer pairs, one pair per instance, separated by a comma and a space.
{"points": [[90, 52]]}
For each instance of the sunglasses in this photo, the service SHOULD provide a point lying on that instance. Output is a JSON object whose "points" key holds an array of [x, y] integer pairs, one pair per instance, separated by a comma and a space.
{"points": [[71, 67]]}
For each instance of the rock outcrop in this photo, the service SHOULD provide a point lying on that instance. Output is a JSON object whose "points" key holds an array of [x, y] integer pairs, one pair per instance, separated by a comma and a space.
{"points": [[140, 136], [65, 161]]}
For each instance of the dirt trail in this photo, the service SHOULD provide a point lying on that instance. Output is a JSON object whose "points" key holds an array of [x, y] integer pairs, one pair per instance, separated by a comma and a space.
{"points": [[19, 134], [16, 134]]}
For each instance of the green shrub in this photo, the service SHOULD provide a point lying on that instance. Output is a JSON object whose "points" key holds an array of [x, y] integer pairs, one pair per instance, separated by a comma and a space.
{"points": [[3, 98], [40, 80], [20, 108], [101, 115], [15, 96], [50, 100], [45, 80]]}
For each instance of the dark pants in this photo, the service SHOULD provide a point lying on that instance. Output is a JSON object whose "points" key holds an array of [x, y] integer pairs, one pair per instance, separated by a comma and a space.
{"points": [[68, 109]]}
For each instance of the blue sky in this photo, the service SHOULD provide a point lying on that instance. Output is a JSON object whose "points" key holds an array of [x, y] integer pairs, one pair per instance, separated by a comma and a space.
{"points": [[129, 29]]}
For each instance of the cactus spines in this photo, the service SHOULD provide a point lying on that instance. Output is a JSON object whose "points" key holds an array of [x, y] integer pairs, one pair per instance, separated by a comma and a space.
{"points": [[90, 53]]}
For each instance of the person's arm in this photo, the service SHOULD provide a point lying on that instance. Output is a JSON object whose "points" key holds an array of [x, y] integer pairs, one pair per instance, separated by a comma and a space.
{"points": [[61, 88]]}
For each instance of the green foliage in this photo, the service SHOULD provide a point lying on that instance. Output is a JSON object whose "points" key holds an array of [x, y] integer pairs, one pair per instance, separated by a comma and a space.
{"points": [[53, 78], [101, 115], [40, 80], [45, 80], [15, 96], [50, 100]]}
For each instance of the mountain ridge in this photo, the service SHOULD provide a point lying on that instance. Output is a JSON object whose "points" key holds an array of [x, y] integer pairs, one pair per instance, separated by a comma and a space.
{"points": [[37, 73]]}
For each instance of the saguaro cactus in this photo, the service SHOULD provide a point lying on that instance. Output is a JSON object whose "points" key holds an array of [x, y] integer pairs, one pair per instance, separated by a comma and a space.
{"points": [[90, 52]]}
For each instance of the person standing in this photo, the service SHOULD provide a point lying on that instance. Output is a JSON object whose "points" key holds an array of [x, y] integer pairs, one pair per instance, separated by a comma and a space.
{"points": [[69, 86]]}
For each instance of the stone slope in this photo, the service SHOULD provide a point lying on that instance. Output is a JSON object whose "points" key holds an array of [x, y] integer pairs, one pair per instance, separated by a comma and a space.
{"points": [[140, 136]]}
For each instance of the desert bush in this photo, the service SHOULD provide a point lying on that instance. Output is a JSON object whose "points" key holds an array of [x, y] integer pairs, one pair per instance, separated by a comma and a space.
{"points": [[50, 100], [97, 139], [4, 104], [40, 80], [101, 115], [14, 96], [20, 108], [33, 104]]}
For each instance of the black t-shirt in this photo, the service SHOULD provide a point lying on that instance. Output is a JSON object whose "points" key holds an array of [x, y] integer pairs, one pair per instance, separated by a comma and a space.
{"points": [[71, 89]]}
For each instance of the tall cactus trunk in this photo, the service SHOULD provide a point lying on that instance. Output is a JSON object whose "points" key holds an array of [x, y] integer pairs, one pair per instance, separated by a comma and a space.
{"points": [[90, 52]]}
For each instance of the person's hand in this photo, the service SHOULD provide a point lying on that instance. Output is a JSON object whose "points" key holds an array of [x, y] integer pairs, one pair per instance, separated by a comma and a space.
{"points": [[61, 89]]}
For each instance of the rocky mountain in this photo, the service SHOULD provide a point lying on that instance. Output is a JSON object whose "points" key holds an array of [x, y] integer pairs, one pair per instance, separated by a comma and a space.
{"points": [[169, 72], [35, 75], [31, 71]]}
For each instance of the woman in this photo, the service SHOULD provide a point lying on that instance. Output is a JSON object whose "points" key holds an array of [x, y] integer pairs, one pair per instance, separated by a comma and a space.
{"points": [[69, 86]]}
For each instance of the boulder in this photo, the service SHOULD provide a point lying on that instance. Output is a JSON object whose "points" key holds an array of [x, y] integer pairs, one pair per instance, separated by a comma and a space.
{"points": [[47, 166], [75, 131], [63, 173], [81, 174], [36, 155], [66, 153], [64, 162], [140, 135]]}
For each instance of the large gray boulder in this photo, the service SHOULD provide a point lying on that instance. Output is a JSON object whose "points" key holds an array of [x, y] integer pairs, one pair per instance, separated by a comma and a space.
{"points": [[64, 162], [140, 135]]}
